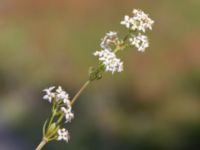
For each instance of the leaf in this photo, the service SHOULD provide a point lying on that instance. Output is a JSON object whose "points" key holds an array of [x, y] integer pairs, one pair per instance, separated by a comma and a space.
{"points": [[44, 128]]}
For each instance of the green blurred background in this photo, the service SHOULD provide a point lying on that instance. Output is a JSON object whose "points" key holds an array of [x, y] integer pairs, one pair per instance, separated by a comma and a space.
{"points": [[153, 105]]}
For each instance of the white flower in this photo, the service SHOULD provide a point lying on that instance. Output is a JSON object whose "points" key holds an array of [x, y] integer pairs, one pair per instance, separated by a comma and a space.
{"points": [[110, 38], [68, 114], [67, 102], [140, 21], [61, 94], [126, 21], [63, 134], [49, 95], [109, 60], [140, 42]]}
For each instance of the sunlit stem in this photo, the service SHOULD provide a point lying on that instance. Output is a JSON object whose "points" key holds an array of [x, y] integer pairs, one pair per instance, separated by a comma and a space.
{"points": [[79, 92], [42, 144], [74, 100]]}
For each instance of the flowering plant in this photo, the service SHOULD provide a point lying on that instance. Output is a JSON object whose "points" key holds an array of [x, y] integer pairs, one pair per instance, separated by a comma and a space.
{"points": [[108, 61]]}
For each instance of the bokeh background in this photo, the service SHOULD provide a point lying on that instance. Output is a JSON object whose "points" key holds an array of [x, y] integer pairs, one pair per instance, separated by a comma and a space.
{"points": [[153, 105]]}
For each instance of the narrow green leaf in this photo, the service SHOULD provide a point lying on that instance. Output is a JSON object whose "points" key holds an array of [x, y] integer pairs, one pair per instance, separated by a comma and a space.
{"points": [[44, 128]]}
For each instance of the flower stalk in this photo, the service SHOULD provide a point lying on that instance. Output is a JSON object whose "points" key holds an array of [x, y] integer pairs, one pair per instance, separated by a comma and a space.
{"points": [[42, 144], [79, 92], [108, 61]]}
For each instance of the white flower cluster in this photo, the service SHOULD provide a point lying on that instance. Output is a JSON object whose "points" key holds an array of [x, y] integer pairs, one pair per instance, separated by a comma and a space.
{"points": [[138, 22], [109, 60], [58, 95], [111, 43], [63, 134], [106, 56], [109, 39], [140, 42], [68, 114]]}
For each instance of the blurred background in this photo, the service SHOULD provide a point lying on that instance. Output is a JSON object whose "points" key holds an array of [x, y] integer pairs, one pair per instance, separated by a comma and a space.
{"points": [[153, 105]]}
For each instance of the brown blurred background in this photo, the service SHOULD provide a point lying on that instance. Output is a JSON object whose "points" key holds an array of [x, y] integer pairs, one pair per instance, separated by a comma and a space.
{"points": [[153, 105]]}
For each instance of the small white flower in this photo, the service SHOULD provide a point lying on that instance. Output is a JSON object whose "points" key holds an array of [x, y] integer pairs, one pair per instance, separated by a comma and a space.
{"points": [[68, 114], [126, 21], [110, 38], [61, 94], [110, 61], [140, 21], [49, 95], [140, 42], [63, 134], [67, 102]]}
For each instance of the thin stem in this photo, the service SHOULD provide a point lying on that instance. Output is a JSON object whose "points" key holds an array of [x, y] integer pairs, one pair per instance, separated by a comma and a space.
{"points": [[123, 45], [79, 92], [126, 37], [116, 49], [44, 141], [53, 133], [60, 119], [74, 99], [42, 144], [52, 118]]}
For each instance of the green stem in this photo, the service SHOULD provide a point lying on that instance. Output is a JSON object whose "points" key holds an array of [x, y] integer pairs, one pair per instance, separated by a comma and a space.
{"points": [[73, 100], [126, 37], [60, 119], [44, 141], [51, 119], [42, 144], [53, 133], [79, 92]]}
